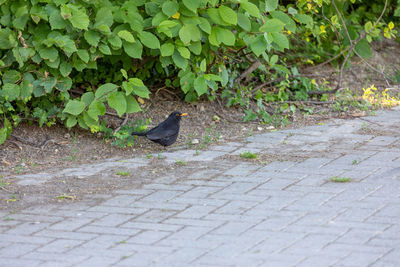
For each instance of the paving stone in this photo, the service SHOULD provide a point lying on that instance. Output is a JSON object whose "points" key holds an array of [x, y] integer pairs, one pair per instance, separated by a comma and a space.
{"points": [[64, 234], [113, 220], [70, 224], [99, 261], [148, 237], [57, 258], [18, 262], [60, 245], [17, 250]]}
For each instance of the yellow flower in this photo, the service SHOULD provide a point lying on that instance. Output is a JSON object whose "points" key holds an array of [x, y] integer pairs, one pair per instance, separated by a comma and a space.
{"points": [[176, 15], [391, 25], [322, 28]]}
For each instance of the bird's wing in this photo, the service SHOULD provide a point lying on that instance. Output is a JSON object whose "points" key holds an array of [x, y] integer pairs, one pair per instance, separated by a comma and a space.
{"points": [[160, 133]]}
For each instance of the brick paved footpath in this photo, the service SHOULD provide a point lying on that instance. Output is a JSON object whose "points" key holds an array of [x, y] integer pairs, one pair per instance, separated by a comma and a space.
{"points": [[226, 211]]}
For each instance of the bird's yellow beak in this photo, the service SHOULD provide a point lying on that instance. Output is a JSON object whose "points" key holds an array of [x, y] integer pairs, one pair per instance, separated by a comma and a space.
{"points": [[183, 114]]}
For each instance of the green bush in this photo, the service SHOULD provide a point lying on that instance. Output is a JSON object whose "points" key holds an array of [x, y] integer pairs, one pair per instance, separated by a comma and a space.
{"points": [[69, 60]]}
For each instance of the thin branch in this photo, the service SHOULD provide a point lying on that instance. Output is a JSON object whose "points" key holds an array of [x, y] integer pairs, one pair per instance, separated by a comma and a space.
{"points": [[248, 71], [123, 123], [354, 43]]}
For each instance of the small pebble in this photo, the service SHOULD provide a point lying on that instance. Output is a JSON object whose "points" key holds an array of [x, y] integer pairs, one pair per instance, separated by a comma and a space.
{"points": [[260, 128], [195, 141], [270, 127]]}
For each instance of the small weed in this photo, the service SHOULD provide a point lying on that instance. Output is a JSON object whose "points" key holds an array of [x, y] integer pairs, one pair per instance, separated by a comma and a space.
{"points": [[19, 169], [9, 219], [337, 179], [123, 173], [149, 156], [180, 162], [210, 136], [71, 158], [159, 155], [248, 155], [355, 162], [13, 198], [197, 152], [123, 242], [2, 183], [66, 197]]}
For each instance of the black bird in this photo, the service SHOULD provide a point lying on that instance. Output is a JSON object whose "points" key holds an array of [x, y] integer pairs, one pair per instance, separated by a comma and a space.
{"points": [[166, 132]]}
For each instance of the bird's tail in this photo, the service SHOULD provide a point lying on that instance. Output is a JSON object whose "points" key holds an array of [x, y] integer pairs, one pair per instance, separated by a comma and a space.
{"points": [[139, 133]]}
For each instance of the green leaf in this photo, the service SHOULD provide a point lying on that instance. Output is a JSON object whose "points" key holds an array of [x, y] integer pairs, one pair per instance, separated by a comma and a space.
{"points": [[49, 53], [3, 135], [258, 45], [127, 36], [203, 65], [79, 65], [103, 28], [134, 50], [26, 90], [192, 4], [167, 49], [184, 51], [363, 49], [76, 14], [115, 41], [305, 19], [117, 101], [225, 36], [170, 8], [179, 61], [195, 48], [74, 107], [228, 15], [87, 98], [104, 16], [205, 25], [213, 37], [92, 37], [124, 73], [185, 35], [132, 105], [71, 122], [150, 40], [104, 90], [84, 55], [139, 88], [49, 83], [11, 76], [213, 13], [212, 77], [10, 91], [96, 109], [105, 49], [250, 8], [272, 25], [273, 60], [187, 81], [189, 33], [7, 39], [281, 40], [271, 5], [289, 22], [56, 21], [244, 22], [200, 85]]}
